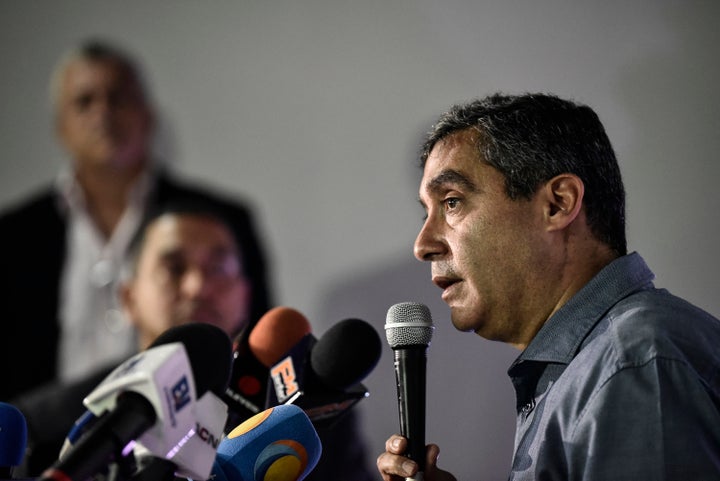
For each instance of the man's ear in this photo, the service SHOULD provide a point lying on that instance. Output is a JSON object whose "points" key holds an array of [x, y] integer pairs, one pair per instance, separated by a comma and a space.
{"points": [[563, 196], [127, 299]]}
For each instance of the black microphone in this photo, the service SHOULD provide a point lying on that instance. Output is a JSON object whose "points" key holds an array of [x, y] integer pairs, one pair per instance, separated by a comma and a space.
{"points": [[323, 376], [153, 397], [408, 329], [13, 439]]}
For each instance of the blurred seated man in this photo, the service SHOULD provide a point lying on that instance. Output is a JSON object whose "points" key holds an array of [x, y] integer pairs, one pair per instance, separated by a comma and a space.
{"points": [[188, 266]]}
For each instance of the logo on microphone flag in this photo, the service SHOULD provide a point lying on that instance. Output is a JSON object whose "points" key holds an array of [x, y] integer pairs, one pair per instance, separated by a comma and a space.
{"points": [[181, 393], [278, 444], [285, 379]]}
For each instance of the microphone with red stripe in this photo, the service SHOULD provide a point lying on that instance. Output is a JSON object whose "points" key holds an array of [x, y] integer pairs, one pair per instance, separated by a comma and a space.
{"points": [[324, 376], [255, 351]]}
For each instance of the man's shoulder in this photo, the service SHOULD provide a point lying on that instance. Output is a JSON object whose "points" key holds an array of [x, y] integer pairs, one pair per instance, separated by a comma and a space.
{"points": [[170, 186], [646, 335], [24, 219], [51, 409], [654, 323], [658, 311], [40, 202]]}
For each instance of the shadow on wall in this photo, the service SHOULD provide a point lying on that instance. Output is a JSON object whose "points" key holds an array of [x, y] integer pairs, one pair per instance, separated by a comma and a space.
{"points": [[670, 164], [470, 400]]}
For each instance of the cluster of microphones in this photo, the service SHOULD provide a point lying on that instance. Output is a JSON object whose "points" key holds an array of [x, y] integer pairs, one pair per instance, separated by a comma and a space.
{"points": [[200, 406]]}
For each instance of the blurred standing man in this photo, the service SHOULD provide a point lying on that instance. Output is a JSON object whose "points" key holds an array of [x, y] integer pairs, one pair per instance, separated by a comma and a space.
{"points": [[525, 233], [64, 247]]}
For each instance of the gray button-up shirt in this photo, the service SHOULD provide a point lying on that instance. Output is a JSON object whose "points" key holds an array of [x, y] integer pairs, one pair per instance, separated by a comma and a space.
{"points": [[621, 383]]}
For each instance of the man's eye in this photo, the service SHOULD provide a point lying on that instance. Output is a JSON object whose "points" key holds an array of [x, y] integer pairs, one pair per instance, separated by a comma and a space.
{"points": [[228, 267], [175, 269], [451, 203], [83, 102]]}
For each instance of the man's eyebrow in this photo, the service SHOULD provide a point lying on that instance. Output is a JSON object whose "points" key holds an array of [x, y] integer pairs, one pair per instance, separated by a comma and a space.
{"points": [[224, 250], [171, 253], [450, 176]]}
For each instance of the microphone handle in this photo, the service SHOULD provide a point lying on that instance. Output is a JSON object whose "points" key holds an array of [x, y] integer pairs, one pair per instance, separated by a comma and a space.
{"points": [[410, 366], [155, 469], [132, 416]]}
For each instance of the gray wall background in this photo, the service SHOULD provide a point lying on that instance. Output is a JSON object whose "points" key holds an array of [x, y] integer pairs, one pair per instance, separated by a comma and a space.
{"points": [[314, 110]]}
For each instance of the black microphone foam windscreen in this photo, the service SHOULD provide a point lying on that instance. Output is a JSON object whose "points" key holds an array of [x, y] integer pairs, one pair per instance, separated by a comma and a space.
{"points": [[209, 351], [346, 353], [323, 376]]}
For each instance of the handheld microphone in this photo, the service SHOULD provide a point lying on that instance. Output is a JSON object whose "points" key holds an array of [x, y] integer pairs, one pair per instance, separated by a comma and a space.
{"points": [[211, 379], [408, 329], [278, 444], [79, 428], [323, 376], [194, 455], [153, 397], [255, 351], [13, 439]]}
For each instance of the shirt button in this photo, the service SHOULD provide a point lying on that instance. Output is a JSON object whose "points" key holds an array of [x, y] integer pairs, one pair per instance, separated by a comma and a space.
{"points": [[527, 409], [102, 273]]}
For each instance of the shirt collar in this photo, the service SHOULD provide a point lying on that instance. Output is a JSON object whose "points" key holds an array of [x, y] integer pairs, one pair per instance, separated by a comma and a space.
{"points": [[72, 199], [559, 339]]}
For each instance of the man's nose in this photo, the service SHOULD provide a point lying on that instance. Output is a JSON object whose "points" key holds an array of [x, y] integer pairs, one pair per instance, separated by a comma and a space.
{"points": [[429, 242], [194, 283]]}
